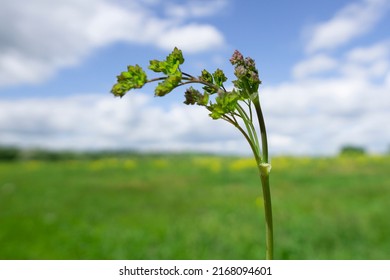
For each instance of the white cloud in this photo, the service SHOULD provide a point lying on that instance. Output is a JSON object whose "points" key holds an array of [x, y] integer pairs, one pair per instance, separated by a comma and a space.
{"points": [[314, 114], [352, 21], [368, 62], [336, 98], [195, 8], [333, 101], [135, 121], [41, 36], [378, 51], [183, 37], [306, 116], [314, 65], [319, 116]]}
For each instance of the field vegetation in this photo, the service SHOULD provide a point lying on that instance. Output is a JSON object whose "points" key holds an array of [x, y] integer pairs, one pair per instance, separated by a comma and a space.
{"points": [[193, 207]]}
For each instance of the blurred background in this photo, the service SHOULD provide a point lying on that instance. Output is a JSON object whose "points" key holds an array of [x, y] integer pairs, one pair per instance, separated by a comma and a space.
{"points": [[325, 68]]}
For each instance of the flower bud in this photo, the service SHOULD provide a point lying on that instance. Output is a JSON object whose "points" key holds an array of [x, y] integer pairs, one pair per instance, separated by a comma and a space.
{"points": [[240, 71], [237, 58]]}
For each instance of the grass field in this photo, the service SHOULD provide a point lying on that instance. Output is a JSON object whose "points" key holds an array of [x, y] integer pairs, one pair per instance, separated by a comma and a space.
{"points": [[194, 207]]}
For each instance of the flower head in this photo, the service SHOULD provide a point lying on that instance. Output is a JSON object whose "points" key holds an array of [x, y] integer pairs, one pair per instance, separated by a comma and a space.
{"points": [[240, 71], [246, 72], [237, 58], [249, 63]]}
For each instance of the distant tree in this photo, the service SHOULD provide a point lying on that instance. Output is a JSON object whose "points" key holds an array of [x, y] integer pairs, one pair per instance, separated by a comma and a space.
{"points": [[350, 150], [49, 155], [9, 153]]}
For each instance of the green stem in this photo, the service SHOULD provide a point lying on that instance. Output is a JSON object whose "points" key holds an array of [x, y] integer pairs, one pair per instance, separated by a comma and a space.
{"points": [[250, 128], [264, 169], [197, 81], [248, 139], [263, 131], [188, 80], [264, 176]]}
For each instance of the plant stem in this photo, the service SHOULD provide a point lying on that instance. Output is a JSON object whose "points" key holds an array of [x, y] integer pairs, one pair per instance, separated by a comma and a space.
{"points": [[264, 176], [264, 169], [263, 131], [263, 166], [250, 128], [248, 139]]}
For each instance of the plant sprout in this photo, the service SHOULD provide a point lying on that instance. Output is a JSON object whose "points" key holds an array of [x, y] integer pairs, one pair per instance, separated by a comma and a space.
{"points": [[238, 107]]}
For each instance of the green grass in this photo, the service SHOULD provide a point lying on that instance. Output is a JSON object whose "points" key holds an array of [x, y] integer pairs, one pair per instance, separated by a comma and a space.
{"points": [[194, 207]]}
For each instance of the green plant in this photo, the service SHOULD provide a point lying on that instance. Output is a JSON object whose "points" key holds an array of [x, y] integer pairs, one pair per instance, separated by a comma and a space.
{"points": [[235, 106]]}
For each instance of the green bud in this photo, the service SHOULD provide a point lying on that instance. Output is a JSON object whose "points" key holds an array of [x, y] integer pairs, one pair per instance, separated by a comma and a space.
{"points": [[219, 77], [169, 66], [207, 77], [162, 89], [176, 56], [119, 90], [124, 76], [173, 81], [169, 84], [135, 77], [192, 96], [156, 65]]}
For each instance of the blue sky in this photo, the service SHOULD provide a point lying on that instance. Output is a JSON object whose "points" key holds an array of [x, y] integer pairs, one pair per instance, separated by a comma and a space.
{"points": [[325, 67]]}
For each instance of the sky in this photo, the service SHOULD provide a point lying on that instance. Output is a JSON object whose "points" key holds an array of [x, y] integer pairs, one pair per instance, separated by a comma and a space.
{"points": [[324, 66]]}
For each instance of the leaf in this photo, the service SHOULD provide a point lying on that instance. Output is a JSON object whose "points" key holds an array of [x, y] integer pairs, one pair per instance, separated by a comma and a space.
{"points": [[216, 111]]}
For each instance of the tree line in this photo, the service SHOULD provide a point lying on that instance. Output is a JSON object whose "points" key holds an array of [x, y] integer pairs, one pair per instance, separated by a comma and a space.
{"points": [[11, 153]]}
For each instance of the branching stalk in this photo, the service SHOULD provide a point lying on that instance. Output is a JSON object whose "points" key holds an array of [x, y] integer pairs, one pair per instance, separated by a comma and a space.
{"points": [[220, 103], [250, 128]]}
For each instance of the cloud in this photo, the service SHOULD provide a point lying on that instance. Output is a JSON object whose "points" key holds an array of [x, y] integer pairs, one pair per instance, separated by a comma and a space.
{"points": [[194, 8], [378, 51], [319, 116], [316, 115], [316, 64], [183, 38], [333, 101], [40, 37], [335, 98], [134, 122], [354, 20], [370, 62]]}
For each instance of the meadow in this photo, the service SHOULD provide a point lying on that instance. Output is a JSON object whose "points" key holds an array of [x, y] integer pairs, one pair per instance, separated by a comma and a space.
{"points": [[194, 207]]}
